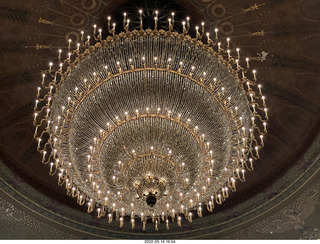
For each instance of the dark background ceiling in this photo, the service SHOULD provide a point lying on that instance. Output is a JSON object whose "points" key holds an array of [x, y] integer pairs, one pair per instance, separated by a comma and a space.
{"points": [[288, 30]]}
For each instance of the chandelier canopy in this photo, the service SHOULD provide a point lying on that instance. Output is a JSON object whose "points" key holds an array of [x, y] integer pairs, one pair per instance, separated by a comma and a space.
{"points": [[151, 124]]}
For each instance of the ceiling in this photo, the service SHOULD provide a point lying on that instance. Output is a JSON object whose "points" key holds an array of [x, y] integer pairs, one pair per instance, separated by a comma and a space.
{"points": [[272, 203]]}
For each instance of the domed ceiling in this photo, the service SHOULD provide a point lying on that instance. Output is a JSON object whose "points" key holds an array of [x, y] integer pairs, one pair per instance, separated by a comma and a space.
{"points": [[280, 198]]}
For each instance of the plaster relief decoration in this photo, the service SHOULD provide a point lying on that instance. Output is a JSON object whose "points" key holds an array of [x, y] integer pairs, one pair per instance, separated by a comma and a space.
{"points": [[278, 37], [16, 224], [293, 216], [263, 56], [8, 213]]}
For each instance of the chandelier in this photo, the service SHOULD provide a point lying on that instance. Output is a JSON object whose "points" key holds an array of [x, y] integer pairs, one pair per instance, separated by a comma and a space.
{"points": [[150, 125]]}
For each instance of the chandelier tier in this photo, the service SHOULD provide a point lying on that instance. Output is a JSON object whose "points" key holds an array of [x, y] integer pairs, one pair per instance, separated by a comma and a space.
{"points": [[151, 124]]}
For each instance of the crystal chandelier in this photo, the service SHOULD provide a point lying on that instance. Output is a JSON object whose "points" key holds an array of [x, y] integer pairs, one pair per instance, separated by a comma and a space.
{"points": [[151, 124]]}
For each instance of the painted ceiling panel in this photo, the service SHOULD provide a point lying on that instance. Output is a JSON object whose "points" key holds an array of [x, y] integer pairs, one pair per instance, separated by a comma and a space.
{"points": [[280, 36]]}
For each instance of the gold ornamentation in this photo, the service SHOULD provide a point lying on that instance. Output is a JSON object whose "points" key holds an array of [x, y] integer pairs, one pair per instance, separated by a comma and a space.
{"points": [[252, 8], [39, 46], [258, 33], [46, 22]]}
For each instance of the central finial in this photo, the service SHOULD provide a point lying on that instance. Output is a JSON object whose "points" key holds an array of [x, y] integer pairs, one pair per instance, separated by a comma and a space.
{"points": [[151, 199]]}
